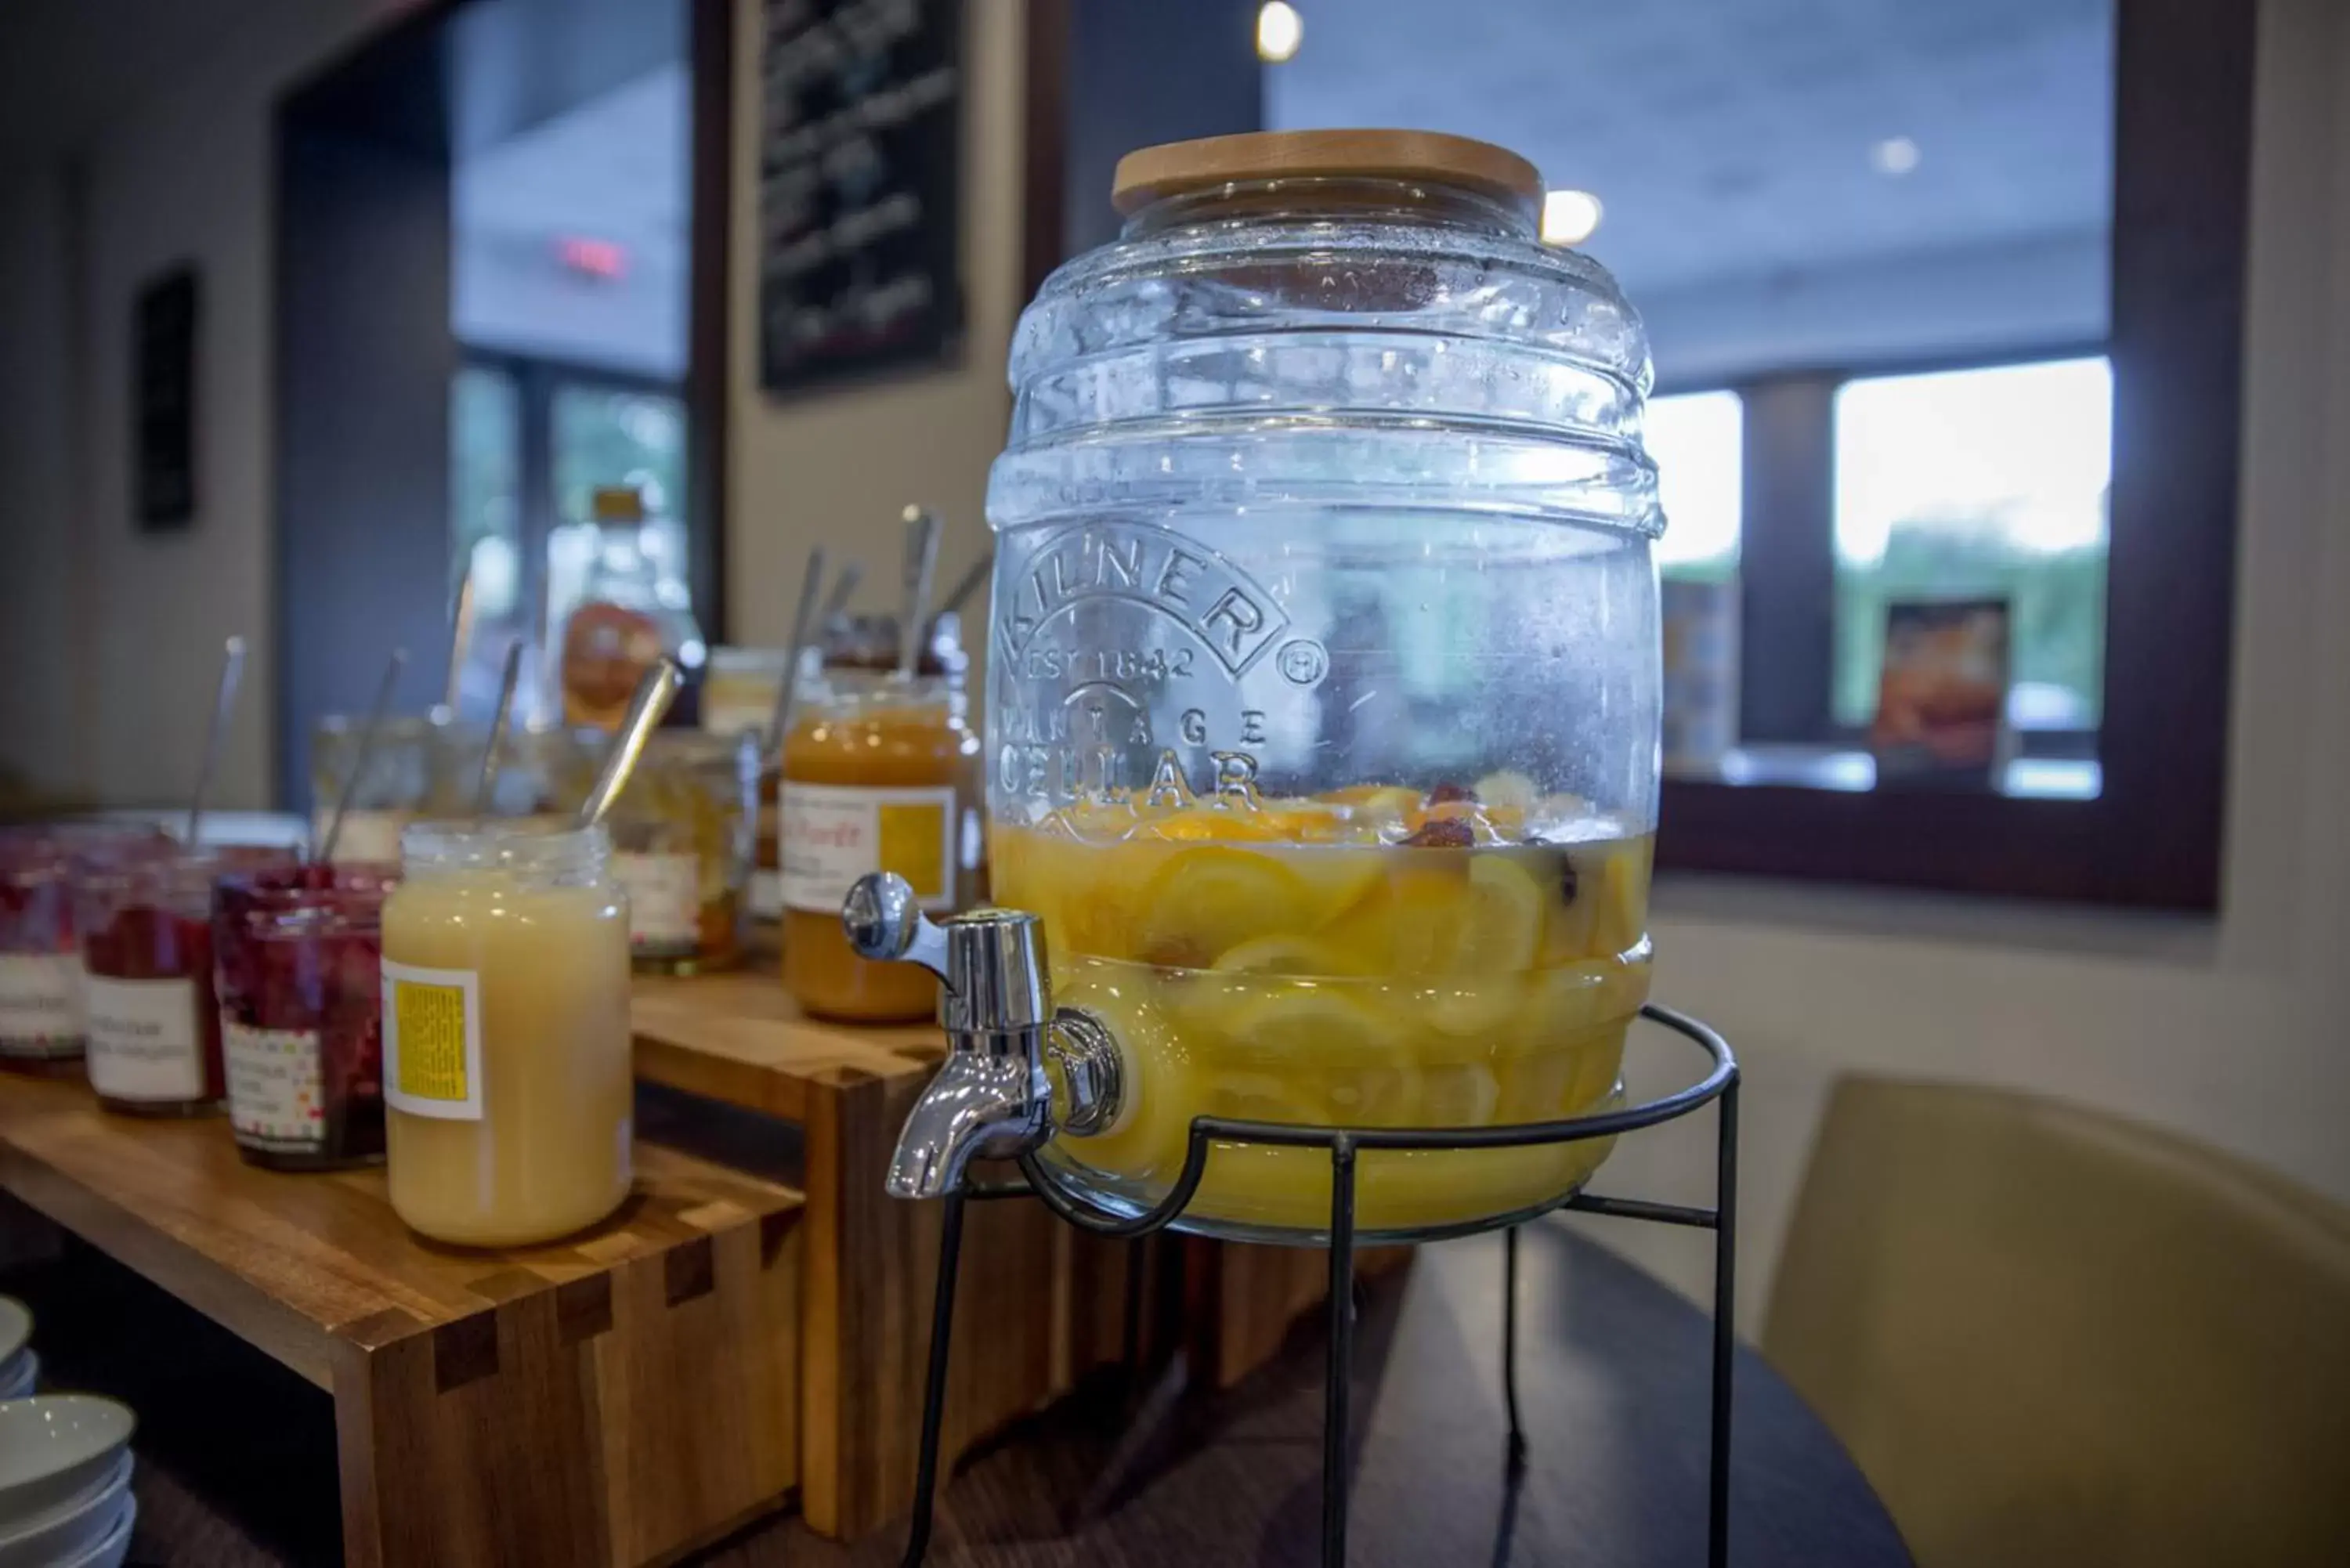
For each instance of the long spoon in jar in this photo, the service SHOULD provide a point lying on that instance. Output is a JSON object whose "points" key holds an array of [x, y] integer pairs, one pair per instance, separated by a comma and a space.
{"points": [[802, 618], [922, 562], [366, 748], [967, 585], [837, 601], [646, 710], [499, 721], [461, 642], [223, 704]]}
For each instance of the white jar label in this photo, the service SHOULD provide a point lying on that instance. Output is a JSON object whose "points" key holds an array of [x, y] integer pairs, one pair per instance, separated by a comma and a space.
{"points": [[765, 896], [367, 835], [664, 901], [276, 1094], [833, 834], [145, 1040], [432, 1041], [41, 1004]]}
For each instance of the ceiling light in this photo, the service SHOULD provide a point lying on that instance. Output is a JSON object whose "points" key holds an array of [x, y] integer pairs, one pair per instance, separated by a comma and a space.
{"points": [[1895, 155], [1279, 30], [1569, 217]]}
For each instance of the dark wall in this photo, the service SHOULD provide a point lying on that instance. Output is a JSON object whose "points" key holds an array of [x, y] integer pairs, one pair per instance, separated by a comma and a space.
{"points": [[1142, 72], [365, 349], [365, 357]]}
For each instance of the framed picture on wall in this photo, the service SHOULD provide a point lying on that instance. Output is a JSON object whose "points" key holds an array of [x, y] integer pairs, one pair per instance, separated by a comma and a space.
{"points": [[163, 402]]}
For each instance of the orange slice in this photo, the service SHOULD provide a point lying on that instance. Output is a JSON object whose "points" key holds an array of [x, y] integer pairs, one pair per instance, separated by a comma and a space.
{"points": [[1212, 824]]}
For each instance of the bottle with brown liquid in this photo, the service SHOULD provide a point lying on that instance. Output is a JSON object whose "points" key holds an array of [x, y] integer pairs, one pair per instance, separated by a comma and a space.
{"points": [[880, 773], [625, 620]]}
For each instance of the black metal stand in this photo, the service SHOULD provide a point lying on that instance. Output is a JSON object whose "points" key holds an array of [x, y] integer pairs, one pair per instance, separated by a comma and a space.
{"points": [[1344, 1144]]}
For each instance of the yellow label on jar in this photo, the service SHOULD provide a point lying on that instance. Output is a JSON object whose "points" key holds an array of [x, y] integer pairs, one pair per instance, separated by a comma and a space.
{"points": [[914, 845], [831, 834], [432, 1041]]}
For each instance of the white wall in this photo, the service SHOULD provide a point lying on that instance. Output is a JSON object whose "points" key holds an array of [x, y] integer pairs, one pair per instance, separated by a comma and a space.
{"points": [[2236, 1033], [835, 467]]}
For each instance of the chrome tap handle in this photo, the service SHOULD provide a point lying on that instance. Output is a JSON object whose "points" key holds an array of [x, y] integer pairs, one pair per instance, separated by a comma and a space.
{"points": [[885, 922], [992, 1097]]}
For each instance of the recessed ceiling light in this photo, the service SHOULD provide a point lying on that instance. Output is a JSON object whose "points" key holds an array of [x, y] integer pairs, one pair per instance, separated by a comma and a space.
{"points": [[1569, 217], [1279, 30], [1894, 155]]}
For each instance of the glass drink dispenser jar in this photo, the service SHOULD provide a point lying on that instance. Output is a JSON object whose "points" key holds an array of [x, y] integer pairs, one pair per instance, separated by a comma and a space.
{"points": [[1323, 707]]}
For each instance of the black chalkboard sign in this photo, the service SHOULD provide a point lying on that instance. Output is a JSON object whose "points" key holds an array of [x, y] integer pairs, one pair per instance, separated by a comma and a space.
{"points": [[163, 396], [861, 150]]}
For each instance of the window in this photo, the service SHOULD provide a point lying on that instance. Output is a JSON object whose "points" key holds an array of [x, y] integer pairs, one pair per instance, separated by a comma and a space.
{"points": [[530, 442], [1947, 302], [1990, 482], [485, 520], [611, 435], [1695, 442]]}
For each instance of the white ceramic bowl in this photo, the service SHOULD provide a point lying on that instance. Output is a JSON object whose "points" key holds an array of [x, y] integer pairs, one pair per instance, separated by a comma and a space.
{"points": [[18, 1377], [54, 1445], [15, 1327], [115, 1546], [60, 1534]]}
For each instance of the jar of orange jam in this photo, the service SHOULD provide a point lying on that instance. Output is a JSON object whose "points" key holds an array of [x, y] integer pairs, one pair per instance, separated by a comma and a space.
{"points": [[880, 773]]}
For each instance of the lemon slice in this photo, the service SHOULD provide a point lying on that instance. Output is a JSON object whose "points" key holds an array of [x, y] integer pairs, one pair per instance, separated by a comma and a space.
{"points": [[1501, 919], [1159, 1085], [1491, 1009], [1376, 1097], [1206, 901], [1287, 955], [1623, 900], [1338, 878], [1306, 1031], [1258, 1097], [1464, 1096]]}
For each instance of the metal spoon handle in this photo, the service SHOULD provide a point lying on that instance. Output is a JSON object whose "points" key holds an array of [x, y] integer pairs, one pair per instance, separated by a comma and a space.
{"points": [[968, 584], [838, 600], [802, 618], [460, 640], [921, 562], [499, 722], [223, 706], [645, 710], [366, 749]]}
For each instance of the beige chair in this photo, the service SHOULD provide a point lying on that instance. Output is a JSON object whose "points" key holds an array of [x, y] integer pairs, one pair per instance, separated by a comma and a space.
{"points": [[2050, 1337]]}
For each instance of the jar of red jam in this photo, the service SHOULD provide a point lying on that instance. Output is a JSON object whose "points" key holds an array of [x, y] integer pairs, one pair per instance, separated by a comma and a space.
{"points": [[153, 1041], [40, 960], [297, 959]]}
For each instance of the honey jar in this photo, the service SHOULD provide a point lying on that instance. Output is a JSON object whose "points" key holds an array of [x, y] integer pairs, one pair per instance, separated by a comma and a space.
{"points": [[880, 773]]}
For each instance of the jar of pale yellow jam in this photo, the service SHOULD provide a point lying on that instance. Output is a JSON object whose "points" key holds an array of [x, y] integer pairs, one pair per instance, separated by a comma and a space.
{"points": [[505, 1033]]}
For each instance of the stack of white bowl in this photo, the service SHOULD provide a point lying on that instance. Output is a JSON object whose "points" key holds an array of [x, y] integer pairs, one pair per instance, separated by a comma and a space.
{"points": [[65, 1464]]}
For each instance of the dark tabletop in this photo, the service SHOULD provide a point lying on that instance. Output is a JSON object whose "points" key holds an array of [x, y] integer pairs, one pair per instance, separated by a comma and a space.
{"points": [[1612, 1367]]}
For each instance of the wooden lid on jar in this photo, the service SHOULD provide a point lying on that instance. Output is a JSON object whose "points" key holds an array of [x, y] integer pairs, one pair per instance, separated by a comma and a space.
{"points": [[1153, 172]]}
